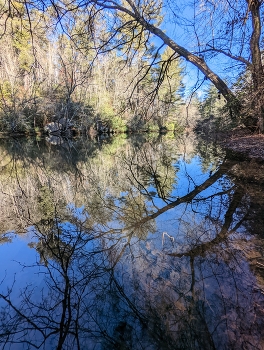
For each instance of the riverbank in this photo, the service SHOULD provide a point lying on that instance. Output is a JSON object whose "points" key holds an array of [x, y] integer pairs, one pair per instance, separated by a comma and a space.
{"points": [[244, 143], [239, 141]]}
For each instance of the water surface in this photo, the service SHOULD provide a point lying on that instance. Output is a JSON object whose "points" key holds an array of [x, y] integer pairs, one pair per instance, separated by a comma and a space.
{"points": [[148, 242]]}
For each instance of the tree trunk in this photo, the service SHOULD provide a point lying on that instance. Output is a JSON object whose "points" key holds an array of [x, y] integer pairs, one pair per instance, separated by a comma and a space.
{"points": [[195, 60], [257, 68]]}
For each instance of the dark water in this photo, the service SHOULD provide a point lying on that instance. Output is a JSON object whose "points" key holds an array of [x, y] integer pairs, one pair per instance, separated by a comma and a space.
{"points": [[141, 243]]}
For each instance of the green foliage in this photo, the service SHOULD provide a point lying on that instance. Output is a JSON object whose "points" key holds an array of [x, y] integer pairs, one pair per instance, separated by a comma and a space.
{"points": [[170, 126], [152, 127], [212, 104], [46, 203], [134, 208], [22, 45], [134, 37], [171, 66], [178, 128], [118, 124], [115, 145], [106, 111], [215, 112], [6, 92], [211, 153]]}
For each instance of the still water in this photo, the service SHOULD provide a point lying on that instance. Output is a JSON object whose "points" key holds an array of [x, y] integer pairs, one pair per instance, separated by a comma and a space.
{"points": [[148, 242]]}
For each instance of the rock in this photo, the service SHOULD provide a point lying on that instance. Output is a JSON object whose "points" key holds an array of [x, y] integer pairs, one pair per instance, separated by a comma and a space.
{"points": [[53, 128], [57, 128], [54, 140]]}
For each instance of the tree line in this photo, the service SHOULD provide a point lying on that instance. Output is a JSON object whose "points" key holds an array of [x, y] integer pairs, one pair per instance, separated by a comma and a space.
{"points": [[98, 58], [48, 73]]}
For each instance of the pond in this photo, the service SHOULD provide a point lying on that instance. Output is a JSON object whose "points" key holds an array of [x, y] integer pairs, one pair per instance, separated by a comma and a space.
{"points": [[141, 242]]}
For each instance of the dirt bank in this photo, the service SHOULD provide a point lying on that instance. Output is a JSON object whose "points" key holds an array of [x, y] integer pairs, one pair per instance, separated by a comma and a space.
{"points": [[243, 142]]}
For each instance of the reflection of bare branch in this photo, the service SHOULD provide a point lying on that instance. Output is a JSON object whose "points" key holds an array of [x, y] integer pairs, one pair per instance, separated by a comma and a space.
{"points": [[202, 248], [163, 237], [187, 198]]}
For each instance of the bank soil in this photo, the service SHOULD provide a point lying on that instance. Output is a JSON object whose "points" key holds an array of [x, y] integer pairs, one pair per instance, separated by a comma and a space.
{"points": [[240, 141]]}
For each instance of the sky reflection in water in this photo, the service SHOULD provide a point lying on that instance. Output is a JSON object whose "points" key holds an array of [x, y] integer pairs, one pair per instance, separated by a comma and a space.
{"points": [[130, 244]]}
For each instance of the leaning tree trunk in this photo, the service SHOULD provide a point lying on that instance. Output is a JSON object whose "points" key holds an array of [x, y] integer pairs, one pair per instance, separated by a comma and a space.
{"points": [[195, 60]]}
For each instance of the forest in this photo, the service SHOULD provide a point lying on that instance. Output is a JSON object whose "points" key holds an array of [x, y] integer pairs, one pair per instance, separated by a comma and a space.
{"points": [[121, 65], [127, 221]]}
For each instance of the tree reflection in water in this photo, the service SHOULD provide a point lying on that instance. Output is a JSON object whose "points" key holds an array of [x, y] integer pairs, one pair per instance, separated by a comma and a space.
{"points": [[137, 248]]}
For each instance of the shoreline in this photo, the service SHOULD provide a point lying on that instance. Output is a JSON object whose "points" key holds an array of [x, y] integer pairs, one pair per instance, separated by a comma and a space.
{"points": [[241, 143]]}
